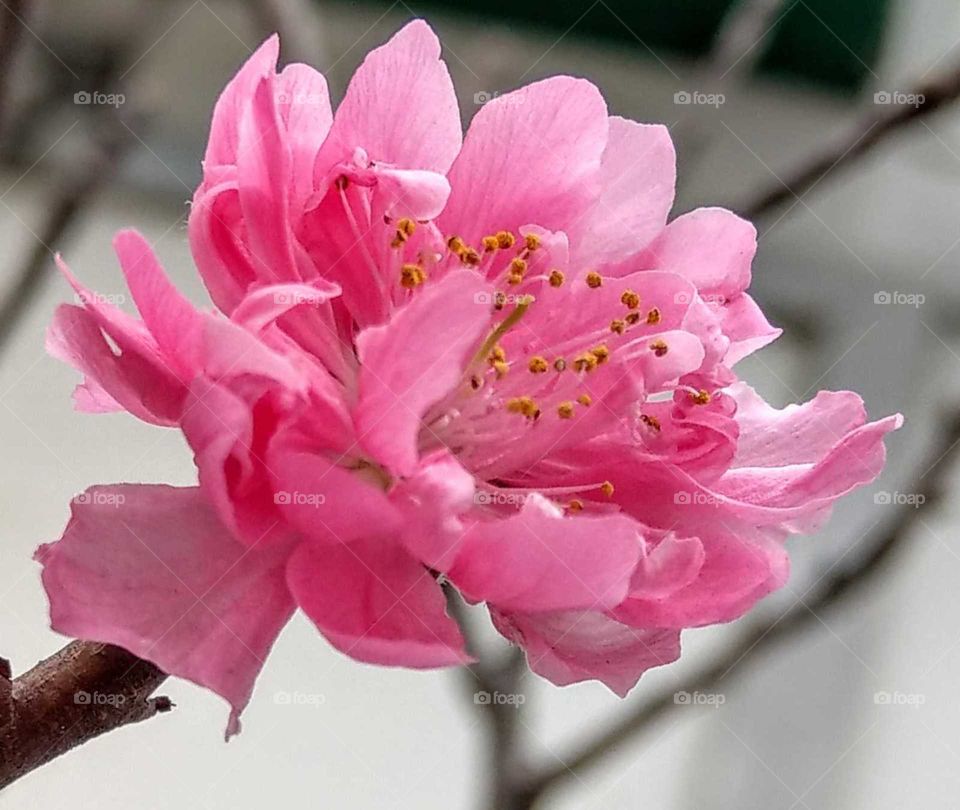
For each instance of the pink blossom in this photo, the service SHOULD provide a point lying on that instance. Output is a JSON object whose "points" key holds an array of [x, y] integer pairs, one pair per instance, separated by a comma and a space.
{"points": [[488, 358]]}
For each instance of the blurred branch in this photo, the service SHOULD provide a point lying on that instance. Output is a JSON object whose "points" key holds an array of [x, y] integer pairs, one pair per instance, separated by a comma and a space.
{"points": [[12, 15], [872, 130], [78, 693], [831, 592], [295, 21]]}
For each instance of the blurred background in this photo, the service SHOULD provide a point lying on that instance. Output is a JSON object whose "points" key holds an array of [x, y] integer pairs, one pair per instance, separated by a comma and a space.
{"points": [[103, 118]]}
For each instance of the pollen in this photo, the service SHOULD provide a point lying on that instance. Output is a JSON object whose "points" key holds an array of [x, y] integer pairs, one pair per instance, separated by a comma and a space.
{"points": [[538, 365], [411, 276], [469, 257], [576, 505], [607, 488], [585, 362], [523, 405], [653, 316], [630, 299], [501, 368], [532, 241], [601, 352], [556, 278], [490, 243], [659, 348], [456, 245], [633, 318], [585, 400], [618, 326], [594, 279], [505, 239], [497, 355], [499, 300], [406, 226], [565, 410], [518, 267], [702, 397], [650, 421]]}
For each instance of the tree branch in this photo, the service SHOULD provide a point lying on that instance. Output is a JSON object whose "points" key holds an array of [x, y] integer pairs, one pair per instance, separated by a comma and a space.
{"points": [[874, 129], [832, 592], [78, 693]]}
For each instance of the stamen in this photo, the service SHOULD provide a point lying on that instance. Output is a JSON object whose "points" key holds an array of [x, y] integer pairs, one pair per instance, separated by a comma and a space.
{"points": [[630, 299], [411, 276], [505, 239], [560, 364], [469, 257], [523, 405], [500, 368], [504, 326], [633, 318], [594, 279], [601, 352], [532, 241], [653, 316], [607, 488], [490, 243], [585, 362], [618, 326], [702, 397], [576, 505], [538, 365], [565, 410], [659, 348], [650, 421], [585, 400], [556, 278]]}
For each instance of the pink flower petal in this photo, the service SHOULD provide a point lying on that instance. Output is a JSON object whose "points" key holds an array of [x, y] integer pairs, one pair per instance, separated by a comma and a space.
{"points": [[413, 361], [400, 107], [539, 560], [571, 647], [637, 177], [151, 569], [529, 156], [375, 603]]}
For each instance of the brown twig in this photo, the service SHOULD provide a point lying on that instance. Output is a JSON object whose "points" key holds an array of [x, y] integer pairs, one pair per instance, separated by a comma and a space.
{"points": [[78, 693], [832, 591], [883, 121]]}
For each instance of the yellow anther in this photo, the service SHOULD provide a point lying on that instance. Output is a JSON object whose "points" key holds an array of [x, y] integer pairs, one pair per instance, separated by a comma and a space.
{"points": [[499, 299], [406, 226], [523, 405], [538, 365], [490, 243], [532, 241], [576, 505], [456, 245], [412, 275], [505, 239], [585, 400], [594, 279], [556, 278], [585, 362], [518, 265], [617, 326], [514, 279], [601, 352], [653, 316], [659, 348], [560, 364], [650, 421], [469, 256], [607, 488], [500, 368], [633, 318], [497, 355], [630, 299], [565, 410], [701, 397]]}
